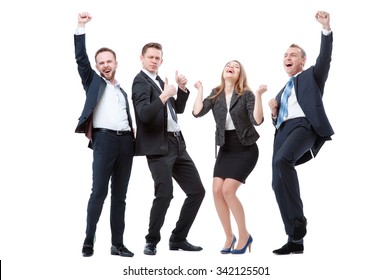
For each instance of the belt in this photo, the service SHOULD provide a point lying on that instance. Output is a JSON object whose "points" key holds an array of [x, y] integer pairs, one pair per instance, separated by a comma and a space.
{"points": [[174, 133], [116, 132]]}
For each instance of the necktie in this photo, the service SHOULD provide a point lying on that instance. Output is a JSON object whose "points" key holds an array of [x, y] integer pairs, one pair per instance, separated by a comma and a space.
{"points": [[171, 109], [283, 112]]}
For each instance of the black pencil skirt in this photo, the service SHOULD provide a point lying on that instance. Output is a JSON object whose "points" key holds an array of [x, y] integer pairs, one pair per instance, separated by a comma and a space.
{"points": [[235, 160]]}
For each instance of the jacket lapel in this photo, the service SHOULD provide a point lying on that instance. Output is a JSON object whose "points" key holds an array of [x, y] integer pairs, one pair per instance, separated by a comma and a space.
{"points": [[234, 99], [222, 103], [152, 83]]}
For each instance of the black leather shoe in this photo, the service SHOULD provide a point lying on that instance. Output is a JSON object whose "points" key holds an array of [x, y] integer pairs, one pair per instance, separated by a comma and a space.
{"points": [[150, 249], [290, 248], [88, 250], [121, 250], [300, 228], [184, 245]]}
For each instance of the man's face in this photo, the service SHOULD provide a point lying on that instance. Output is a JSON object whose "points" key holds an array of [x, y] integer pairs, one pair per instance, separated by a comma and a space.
{"points": [[106, 65], [293, 61], [152, 60]]}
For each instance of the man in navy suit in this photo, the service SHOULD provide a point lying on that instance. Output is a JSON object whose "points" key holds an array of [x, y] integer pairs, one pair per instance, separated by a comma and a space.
{"points": [[302, 127], [160, 139], [107, 123]]}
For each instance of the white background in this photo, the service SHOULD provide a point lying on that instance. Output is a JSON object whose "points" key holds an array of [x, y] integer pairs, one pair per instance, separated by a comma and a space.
{"points": [[46, 167]]}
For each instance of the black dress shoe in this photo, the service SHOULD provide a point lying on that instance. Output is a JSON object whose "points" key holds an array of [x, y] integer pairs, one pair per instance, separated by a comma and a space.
{"points": [[121, 250], [184, 245], [150, 249], [290, 248], [300, 228], [88, 250]]}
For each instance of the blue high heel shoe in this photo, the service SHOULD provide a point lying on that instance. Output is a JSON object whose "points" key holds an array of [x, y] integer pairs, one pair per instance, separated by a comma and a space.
{"points": [[229, 249], [244, 249]]}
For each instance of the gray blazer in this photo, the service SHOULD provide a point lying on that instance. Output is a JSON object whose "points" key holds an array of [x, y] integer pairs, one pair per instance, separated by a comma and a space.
{"points": [[241, 110]]}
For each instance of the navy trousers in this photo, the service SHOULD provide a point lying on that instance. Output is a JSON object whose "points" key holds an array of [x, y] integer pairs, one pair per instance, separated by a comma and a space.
{"points": [[112, 159], [293, 138]]}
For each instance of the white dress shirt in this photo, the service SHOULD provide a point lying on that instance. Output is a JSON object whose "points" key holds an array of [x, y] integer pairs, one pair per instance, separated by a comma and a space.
{"points": [[110, 112]]}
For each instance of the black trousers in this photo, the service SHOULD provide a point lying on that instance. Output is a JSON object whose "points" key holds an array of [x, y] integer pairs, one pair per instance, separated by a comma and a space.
{"points": [[293, 138], [175, 164], [112, 159]]}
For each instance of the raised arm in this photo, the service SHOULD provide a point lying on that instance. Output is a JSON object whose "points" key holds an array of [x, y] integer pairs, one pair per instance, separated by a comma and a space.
{"points": [[198, 104], [83, 64], [258, 108]]}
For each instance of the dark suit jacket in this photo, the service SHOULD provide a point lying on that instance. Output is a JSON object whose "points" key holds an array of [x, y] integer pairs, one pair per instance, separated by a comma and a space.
{"points": [[93, 84], [151, 115], [241, 110], [309, 86]]}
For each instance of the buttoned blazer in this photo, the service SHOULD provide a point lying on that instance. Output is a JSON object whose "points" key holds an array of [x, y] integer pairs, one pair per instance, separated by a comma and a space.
{"points": [[309, 87], [241, 110], [94, 86], [151, 115]]}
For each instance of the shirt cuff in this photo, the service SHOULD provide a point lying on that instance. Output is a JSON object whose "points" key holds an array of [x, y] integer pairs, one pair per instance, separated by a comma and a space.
{"points": [[80, 31], [326, 32]]}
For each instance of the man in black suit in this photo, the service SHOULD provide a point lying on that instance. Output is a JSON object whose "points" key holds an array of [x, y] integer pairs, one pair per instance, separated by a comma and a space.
{"points": [[302, 127], [160, 139], [107, 123]]}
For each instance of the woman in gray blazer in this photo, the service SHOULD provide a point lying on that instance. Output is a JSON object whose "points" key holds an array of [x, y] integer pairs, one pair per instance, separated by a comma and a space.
{"points": [[236, 110]]}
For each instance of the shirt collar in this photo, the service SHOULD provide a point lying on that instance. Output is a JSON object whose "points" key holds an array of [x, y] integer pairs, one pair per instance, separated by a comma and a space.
{"points": [[116, 84], [151, 75]]}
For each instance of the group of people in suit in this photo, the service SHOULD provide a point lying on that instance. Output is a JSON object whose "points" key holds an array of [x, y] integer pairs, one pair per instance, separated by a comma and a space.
{"points": [[297, 113]]}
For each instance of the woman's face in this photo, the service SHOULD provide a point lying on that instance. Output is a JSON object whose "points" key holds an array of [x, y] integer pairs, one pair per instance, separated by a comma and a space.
{"points": [[231, 70]]}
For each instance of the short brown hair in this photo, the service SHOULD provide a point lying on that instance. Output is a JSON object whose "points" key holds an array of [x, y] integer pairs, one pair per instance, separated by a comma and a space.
{"points": [[152, 45], [104, 49]]}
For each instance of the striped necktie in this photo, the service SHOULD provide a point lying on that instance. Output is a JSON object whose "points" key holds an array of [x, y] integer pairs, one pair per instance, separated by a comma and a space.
{"points": [[283, 112]]}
